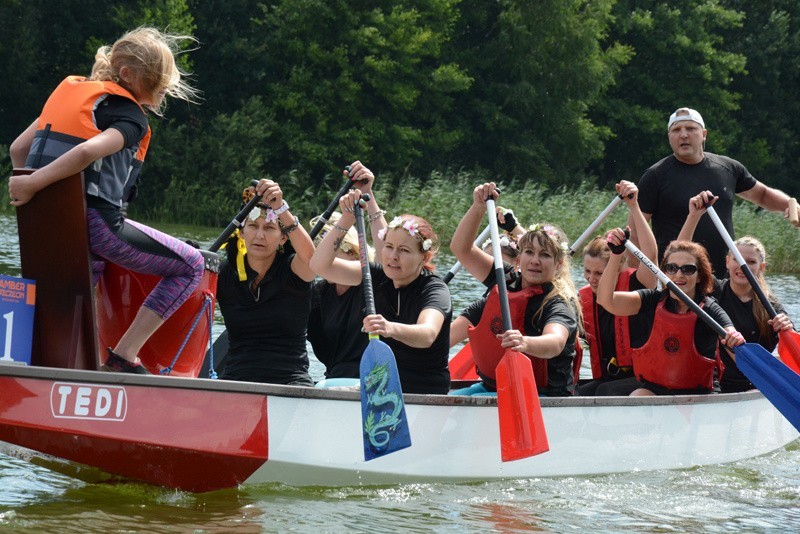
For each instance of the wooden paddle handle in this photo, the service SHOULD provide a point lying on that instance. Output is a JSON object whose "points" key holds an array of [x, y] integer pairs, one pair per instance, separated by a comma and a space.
{"points": [[793, 211]]}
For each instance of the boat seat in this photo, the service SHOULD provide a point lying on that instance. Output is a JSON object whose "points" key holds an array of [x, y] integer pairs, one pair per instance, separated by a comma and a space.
{"points": [[333, 383], [54, 252], [478, 389]]}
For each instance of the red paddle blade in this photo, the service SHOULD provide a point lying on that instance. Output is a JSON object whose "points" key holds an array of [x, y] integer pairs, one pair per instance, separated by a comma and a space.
{"points": [[522, 432], [462, 366], [789, 349]]}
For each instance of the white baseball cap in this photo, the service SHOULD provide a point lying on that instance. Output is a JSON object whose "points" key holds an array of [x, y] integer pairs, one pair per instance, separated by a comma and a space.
{"points": [[685, 114]]}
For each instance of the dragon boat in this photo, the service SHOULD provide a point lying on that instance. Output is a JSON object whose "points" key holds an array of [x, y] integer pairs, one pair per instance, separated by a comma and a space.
{"points": [[200, 434]]}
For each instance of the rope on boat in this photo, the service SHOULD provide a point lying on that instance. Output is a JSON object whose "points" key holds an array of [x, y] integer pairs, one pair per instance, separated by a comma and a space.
{"points": [[212, 373], [206, 306]]}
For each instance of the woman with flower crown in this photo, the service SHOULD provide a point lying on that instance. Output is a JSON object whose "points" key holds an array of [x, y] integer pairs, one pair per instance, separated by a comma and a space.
{"points": [[263, 293], [337, 310], [413, 307], [545, 311]]}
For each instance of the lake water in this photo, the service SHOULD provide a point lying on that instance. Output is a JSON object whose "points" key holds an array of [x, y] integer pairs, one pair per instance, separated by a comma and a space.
{"points": [[757, 495]]}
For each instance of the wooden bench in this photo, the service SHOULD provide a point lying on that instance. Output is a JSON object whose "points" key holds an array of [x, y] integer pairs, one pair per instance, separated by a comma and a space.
{"points": [[54, 251]]}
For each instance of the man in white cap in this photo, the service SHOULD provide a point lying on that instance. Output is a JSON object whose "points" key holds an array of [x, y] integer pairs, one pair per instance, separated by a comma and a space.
{"points": [[667, 186]]}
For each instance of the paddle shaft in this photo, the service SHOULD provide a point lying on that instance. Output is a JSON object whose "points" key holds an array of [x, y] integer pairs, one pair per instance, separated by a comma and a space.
{"points": [[597, 222], [740, 260], [366, 276], [675, 289], [236, 222], [457, 267], [499, 270], [330, 209]]}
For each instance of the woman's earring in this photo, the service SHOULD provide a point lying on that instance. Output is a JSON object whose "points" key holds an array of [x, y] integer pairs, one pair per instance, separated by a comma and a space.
{"points": [[280, 247]]}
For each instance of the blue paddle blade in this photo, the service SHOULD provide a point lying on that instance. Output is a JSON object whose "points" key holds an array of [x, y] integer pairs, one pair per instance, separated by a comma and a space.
{"points": [[383, 414], [779, 384]]}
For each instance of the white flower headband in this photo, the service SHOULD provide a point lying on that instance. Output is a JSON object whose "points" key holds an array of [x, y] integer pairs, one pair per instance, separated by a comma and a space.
{"points": [[505, 241], [267, 213], [411, 226], [551, 232]]}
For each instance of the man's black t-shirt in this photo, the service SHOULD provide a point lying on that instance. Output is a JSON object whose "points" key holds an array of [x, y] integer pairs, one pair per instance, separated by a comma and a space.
{"points": [[667, 186]]}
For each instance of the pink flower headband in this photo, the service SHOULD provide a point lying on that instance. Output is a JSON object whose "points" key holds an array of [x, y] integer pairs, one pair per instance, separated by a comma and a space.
{"points": [[409, 225]]}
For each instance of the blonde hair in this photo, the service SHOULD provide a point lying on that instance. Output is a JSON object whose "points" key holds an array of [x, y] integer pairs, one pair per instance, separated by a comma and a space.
{"points": [[552, 239], [150, 55], [759, 311], [349, 242]]}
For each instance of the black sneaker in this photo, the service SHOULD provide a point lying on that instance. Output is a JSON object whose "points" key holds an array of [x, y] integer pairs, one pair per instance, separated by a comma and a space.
{"points": [[117, 364]]}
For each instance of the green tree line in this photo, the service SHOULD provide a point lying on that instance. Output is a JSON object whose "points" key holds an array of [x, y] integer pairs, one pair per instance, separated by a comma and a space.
{"points": [[557, 93]]}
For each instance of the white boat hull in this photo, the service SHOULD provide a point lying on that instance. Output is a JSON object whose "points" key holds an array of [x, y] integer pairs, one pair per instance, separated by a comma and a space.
{"points": [[318, 442]]}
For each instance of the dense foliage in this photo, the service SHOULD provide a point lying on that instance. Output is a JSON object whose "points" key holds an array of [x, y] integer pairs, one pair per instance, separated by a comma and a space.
{"points": [[544, 95]]}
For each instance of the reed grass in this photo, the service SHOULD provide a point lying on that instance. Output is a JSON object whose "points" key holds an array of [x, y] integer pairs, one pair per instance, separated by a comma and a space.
{"points": [[444, 198]]}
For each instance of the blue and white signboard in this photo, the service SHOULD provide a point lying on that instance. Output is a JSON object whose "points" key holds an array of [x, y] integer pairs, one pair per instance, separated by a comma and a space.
{"points": [[17, 303]]}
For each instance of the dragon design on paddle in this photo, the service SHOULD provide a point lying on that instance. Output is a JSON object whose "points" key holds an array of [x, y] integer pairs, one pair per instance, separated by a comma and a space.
{"points": [[379, 432]]}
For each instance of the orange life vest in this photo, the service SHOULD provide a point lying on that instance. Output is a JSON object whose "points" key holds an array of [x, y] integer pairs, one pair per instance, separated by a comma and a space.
{"points": [[67, 120], [669, 358], [591, 324], [486, 349]]}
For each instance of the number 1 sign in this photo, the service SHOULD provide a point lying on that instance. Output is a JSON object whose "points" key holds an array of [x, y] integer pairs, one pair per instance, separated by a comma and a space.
{"points": [[17, 300]]}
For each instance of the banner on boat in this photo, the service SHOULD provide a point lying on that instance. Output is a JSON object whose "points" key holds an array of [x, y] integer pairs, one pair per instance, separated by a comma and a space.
{"points": [[17, 303]]}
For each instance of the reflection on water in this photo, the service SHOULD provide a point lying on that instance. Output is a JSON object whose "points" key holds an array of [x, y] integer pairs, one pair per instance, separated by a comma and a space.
{"points": [[9, 246], [760, 494]]}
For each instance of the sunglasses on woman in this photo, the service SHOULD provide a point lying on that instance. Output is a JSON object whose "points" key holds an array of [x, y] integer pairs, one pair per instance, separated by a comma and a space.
{"points": [[688, 269]]}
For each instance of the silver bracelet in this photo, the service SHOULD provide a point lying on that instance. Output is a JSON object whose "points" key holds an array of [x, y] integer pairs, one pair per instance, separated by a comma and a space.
{"points": [[375, 216], [340, 228]]}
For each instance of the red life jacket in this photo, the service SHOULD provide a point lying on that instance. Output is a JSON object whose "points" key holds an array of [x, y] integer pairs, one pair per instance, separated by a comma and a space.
{"points": [[669, 358], [486, 349], [591, 324]]}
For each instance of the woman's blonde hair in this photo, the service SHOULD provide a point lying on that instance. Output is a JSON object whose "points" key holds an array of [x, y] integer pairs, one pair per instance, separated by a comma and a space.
{"points": [[553, 239], [150, 55], [349, 244], [759, 311]]}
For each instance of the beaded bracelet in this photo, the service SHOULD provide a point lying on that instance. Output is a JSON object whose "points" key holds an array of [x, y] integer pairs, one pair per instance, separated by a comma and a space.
{"points": [[292, 227], [340, 228], [375, 216]]}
